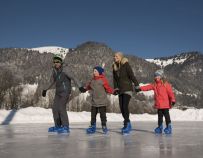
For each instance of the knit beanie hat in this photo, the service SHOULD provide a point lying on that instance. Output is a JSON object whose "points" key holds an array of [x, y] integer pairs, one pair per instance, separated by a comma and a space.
{"points": [[58, 57], [99, 69], [159, 73]]}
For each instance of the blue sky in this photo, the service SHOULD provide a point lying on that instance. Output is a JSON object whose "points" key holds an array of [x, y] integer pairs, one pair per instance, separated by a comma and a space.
{"points": [[145, 28]]}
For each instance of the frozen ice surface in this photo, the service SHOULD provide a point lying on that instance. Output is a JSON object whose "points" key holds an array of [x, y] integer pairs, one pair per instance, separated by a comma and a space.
{"points": [[33, 141]]}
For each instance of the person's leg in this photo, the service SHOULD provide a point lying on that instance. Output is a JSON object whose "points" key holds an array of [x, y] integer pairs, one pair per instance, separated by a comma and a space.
{"points": [[126, 100], [94, 111], [168, 129], [167, 116], [159, 129], [120, 97], [56, 116], [55, 111], [160, 117], [63, 114], [62, 110], [92, 128], [127, 125], [102, 111]]}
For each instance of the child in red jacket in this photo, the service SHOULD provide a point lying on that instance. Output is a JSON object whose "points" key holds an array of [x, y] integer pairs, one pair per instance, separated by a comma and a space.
{"points": [[164, 99]]}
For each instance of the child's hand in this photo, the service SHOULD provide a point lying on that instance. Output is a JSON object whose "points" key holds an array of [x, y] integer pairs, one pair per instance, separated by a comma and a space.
{"points": [[137, 89], [173, 103]]}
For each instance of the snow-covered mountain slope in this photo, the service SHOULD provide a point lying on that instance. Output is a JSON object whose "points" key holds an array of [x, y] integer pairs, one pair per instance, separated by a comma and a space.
{"points": [[165, 61], [52, 49]]}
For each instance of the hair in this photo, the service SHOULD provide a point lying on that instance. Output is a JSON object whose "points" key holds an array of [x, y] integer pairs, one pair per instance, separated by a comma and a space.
{"points": [[119, 54], [163, 79]]}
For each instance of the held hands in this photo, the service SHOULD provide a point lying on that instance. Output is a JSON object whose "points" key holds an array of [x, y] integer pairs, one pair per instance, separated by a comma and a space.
{"points": [[82, 89], [137, 89], [44, 92], [116, 92]]}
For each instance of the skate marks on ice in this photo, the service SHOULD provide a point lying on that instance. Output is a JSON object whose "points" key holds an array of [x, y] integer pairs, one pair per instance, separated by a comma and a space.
{"points": [[33, 140]]}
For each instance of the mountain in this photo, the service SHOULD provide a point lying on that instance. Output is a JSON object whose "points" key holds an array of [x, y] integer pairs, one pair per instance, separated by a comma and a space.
{"points": [[25, 72]]}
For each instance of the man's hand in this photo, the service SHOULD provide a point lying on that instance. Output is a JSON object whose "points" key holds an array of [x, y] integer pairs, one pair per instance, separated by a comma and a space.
{"points": [[137, 89], [44, 92], [82, 89]]}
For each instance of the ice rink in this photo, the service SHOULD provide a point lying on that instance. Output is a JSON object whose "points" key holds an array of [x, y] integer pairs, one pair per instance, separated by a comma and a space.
{"points": [[33, 141]]}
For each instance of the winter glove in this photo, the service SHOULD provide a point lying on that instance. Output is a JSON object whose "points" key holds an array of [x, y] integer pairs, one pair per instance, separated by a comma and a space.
{"points": [[82, 89], [116, 92], [44, 93], [137, 89], [173, 103]]}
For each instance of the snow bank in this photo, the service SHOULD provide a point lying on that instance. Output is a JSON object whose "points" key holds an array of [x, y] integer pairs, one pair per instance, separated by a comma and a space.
{"points": [[41, 115]]}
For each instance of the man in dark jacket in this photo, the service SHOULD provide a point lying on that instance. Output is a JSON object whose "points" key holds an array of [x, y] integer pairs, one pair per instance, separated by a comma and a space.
{"points": [[61, 78], [123, 77]]}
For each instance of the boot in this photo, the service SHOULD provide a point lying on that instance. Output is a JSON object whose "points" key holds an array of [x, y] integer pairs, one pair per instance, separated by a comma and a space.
{"points": [[64, 129], [127, 128], [168, 129], [158, 130], [53, 129], [105, 129], [91, 129]]}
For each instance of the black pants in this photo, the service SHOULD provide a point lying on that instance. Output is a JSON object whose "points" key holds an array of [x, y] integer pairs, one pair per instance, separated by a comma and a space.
{"points": [[124, 100], [165, 113], [59, 111], [102, 111]]}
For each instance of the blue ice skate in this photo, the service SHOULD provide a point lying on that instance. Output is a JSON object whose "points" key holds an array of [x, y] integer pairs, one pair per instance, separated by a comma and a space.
{"points": [[53, 129], [127, 129], [158, 130], [91, 129], [63, 129], [105, 129], [168, 129]]}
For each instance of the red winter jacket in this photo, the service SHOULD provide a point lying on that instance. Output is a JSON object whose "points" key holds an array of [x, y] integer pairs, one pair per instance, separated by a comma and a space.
{"points": [[163, 94]]}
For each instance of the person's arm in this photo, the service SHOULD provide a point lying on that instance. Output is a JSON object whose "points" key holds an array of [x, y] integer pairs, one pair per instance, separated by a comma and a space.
{"points": [[147, 87], [115, 82], [131, 74], [170, 94], [107, 86], [70, 75], [47, 87], [50, 84]]}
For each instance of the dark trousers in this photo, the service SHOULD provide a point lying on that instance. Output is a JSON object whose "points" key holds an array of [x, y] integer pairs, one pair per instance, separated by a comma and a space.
{"points": [[59, 111], [124, 100], [102, 111], [165, 113]]}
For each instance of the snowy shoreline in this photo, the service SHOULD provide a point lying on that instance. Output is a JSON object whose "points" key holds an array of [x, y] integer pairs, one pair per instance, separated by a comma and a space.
{"points": [[41, 115]]}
